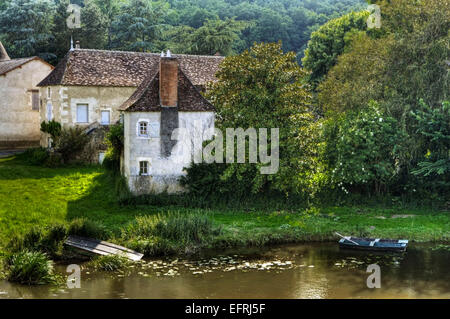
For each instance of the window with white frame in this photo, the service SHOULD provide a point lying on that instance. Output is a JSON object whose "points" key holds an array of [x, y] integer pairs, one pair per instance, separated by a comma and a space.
{"points": [[82, 113], [143, 168], [105, 117], [143, 129]]}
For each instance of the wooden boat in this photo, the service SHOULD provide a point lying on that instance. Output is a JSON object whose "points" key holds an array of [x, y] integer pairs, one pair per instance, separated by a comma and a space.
{"points": [[92, 246], [373, 244]]}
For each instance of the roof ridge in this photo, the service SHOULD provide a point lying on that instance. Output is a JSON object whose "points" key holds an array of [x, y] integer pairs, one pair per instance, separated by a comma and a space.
{"points": [[150, 53]]}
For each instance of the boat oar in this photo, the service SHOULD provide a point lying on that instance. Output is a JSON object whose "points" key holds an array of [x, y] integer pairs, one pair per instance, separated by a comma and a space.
{"points": [[346, 238]]}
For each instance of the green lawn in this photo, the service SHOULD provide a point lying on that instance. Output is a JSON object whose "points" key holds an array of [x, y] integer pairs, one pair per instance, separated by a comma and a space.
{"points": [[34, 196]]}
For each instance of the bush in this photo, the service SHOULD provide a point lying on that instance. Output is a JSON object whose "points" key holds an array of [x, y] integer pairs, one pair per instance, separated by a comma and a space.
{"points": [[30, 268], [203, 180], [363, 150], [54, 160], [114, 139], [35, 156], [110, 263], [53, 128], [71, 142], [48, 240]]}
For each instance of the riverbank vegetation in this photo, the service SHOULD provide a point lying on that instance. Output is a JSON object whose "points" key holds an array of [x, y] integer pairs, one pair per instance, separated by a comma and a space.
{"points": [[40, 206]]}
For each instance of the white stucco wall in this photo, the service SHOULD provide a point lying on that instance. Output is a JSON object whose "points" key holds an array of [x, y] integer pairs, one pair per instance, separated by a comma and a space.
{"points": [[19, 123], [163, 172], [64, 100]]}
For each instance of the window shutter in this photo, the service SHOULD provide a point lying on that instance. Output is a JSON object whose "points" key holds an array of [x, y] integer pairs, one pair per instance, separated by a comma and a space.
{"points": [[35, 100]]}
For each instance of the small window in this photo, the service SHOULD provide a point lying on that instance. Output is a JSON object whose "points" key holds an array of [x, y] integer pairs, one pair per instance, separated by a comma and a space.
{"points": [[82, 113], [49, 92], [143, 129], [143, 168], [35, 100], [49, 111], [105, 117]]}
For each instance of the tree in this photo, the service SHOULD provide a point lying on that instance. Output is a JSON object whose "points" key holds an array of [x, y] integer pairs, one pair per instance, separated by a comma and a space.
{"points": [[264, 88], [358, 77], [25, 25], [329, 42], [109, 9], [93, 26], [61, 33], [139, 25], [215, 36], [433, 125], [363, 149]]}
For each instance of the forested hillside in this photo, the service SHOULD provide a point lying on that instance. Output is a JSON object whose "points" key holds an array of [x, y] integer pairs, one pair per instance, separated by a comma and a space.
{"points": [[38, 27]]}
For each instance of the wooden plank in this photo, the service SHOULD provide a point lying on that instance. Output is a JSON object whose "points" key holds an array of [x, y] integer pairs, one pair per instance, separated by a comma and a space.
{"points": [[103, 248]]}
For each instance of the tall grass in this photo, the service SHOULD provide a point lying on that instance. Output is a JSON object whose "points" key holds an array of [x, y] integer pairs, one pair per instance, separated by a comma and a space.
{"points": [[30, 268], [110, 263], [186, 228]]}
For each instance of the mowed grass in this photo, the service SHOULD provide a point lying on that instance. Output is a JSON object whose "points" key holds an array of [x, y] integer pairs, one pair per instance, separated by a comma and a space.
{"points": [[36, 196]]}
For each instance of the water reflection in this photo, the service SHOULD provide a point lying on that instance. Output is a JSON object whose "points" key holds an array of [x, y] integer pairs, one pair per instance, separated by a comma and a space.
{"points": [[301, 271]]}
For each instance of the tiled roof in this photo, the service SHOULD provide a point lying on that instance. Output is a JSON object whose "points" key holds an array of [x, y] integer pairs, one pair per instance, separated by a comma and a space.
{"points": [[86, 67], [146, 97], [9, 65]]}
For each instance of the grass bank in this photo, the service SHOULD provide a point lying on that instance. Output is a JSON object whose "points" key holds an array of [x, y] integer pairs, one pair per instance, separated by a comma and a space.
{"points": [[33, 197]]}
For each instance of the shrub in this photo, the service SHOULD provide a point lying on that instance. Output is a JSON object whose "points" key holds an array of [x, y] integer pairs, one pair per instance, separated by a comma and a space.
{"points": [[71, 142], [53, 128], [203, 180], [363, 149], [110, 263], [48, 240], [54, 160], [35, 156], [114, 139], [31, 268]]}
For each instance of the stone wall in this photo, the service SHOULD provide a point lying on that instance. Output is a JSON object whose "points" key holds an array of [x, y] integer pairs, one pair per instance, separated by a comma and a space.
{"points": [[164, 172], [64, 100], [19, 123]]}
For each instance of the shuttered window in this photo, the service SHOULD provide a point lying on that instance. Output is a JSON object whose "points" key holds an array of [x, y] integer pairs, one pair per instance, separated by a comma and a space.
{"points": [[82, 113], [35, 100]]}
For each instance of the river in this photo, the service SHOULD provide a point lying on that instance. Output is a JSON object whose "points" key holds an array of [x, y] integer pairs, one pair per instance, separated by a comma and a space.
{"points": [[292, 271]]}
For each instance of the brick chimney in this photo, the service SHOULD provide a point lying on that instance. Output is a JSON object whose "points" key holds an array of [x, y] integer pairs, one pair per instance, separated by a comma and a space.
{"points": [[168, 81], [3, 54]]}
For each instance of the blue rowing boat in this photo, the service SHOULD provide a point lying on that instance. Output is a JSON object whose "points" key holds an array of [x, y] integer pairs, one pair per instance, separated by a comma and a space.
{"points": [[373, 244]]}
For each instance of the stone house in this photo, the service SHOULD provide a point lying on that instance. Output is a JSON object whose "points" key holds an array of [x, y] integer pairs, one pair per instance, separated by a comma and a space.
{"points": [[88, 86], [19, 99], [165, 101]]}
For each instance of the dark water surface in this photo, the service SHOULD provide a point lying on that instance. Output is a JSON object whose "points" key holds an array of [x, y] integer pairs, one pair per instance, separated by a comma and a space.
{"points": [[295, 271]]}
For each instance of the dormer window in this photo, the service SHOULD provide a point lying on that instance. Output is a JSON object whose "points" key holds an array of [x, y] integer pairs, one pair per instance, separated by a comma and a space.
{"points": [[143, 129]]}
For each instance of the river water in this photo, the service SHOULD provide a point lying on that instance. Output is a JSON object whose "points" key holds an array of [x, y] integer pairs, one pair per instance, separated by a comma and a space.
{"points": [[294, 271]]}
